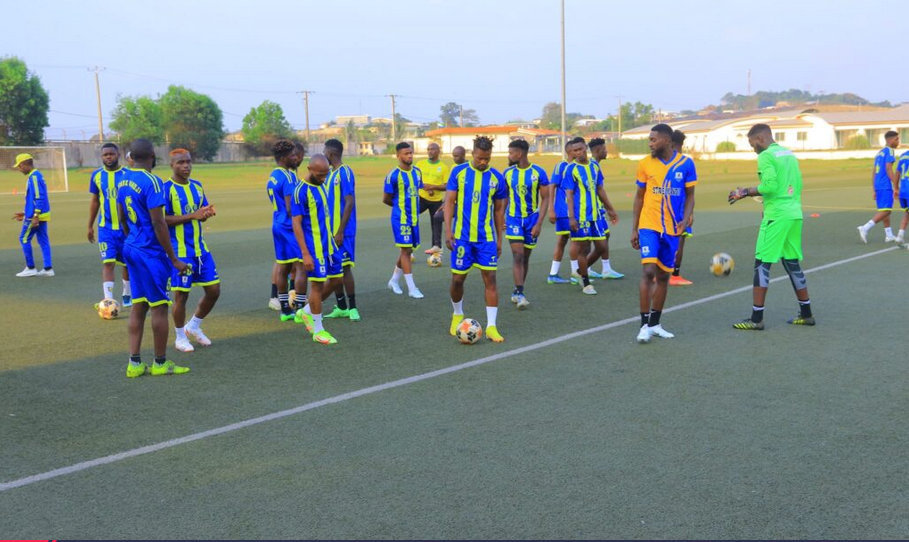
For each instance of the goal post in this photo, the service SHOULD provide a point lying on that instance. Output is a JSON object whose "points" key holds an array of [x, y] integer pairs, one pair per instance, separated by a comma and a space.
{"points": [[50, 161]]}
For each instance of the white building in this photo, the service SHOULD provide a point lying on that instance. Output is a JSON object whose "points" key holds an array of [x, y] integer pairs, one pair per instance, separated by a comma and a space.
{"points": [[540, 140]]}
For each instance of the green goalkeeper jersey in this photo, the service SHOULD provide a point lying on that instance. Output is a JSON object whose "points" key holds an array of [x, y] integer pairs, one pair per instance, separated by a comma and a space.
{"points": [[781, 183]]}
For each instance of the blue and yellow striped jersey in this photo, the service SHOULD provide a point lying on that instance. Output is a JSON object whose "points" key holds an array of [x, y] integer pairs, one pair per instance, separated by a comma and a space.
{"points": [[664, 185], [36, 197], [524, 189], [184, 199], [559, 205], [281, 183], [583, 180], [404, 186], [310, 201], [902, 170], [473, 219], [104, 184], [340, 184], [138, 192]]}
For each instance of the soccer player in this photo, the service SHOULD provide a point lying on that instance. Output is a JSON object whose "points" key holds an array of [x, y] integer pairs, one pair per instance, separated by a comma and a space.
{"points": [[149, 257], [558, 215], [312, 223], [885, 182], [343, 200], [459, 155], [400, 193], [902, 173], [597, 148], [676, 278], [34, 218], [186, 207], [582, 182], [527, 194], [780, 236], [103, 206], [435, 172], [475, 202], [280, 188], [663, 206]]}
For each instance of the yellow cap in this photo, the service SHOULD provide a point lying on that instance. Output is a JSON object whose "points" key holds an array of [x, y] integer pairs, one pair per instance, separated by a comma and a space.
{"points": [[22, 158]]}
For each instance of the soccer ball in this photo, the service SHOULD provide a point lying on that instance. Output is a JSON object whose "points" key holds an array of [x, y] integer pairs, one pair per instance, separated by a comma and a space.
{"points": [[434, 260], [108, 309], [469, 331], [721, 264]]}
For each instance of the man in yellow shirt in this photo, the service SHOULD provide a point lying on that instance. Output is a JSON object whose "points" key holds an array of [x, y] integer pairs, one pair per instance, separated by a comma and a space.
{"points": [[435, 172]]}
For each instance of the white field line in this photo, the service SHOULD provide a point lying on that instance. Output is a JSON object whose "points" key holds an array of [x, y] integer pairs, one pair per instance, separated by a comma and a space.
{"points": [[135, 452]]}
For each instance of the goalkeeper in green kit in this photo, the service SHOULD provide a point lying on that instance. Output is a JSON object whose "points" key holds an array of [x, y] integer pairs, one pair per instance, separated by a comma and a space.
{"points": [[780, 236]]}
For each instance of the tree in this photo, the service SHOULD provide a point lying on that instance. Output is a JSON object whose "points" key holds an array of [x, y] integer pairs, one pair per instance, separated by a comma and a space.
{"points": [[23, 104], [452, 113], [138, 117], [551, 119], [264, 125], [192, 121]]}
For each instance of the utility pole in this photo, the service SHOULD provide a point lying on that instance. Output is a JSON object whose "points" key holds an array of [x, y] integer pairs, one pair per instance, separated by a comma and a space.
{"points": [[563, 78], [748, 91], [619, 115], [97, 70], [461, 116], [306, 94], [394, 131]]}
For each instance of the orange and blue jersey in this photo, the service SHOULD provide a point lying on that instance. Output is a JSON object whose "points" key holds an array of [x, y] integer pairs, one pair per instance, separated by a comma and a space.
{"points": [[281, 183], [559, 204], [310, 201], [664, 185], [36, 197], [474, 214], [881, 159], [138, 192], [404, 187], [184, 199], [584, 180], [524, 189], [104, 184], [340, 184]]}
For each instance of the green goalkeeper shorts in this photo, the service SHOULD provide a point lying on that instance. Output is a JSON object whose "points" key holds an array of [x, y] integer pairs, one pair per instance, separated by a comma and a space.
{"points": [[781, 238]]}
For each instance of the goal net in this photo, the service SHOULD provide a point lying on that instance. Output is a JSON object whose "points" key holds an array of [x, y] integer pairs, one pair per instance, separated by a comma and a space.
{"points": [[50, 161]]}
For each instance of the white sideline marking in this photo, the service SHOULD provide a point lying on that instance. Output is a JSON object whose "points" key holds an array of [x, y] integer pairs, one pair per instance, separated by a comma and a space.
{"points": [[85, 465]]}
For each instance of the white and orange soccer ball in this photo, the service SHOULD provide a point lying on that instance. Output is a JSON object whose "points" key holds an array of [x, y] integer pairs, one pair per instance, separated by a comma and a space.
{"points": [[469, 331], [721, 264], [108, 309], [434, 260]]}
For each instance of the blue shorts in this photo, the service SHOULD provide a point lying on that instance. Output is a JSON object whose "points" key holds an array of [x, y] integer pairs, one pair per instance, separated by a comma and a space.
{"points": [[688, 232], [588, 230], [603, 223], [563, 227], [348, 254], [884, 199], [518, 229], [286, 248], [325, 267], [110, 243], [904, 203], [465, 255], [204, 274], [149, 275], [406, 236], [658, 248]]}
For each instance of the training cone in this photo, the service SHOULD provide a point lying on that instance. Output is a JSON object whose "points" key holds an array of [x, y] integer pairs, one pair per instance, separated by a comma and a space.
{"points": [[815, 215]]}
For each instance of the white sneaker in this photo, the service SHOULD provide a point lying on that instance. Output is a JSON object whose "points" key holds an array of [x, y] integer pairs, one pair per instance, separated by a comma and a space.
{"points": [[274, 304], [514, 298], [196, 334], [522, 302], [415, 293], [395, 287], [27, 272], [899, 240], [589, 290], [863, 233], [887, 239], [46, 273], [183, 345], [644, 335], [660, 332], [436, 249]]}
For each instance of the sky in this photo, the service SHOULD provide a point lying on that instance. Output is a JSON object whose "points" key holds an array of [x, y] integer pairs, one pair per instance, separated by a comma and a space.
{"points": [[498, 57]]}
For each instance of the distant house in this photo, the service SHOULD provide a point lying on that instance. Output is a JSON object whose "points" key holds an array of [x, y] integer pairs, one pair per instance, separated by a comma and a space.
{"points": [[540, 140], [798, 129], [358, 120]]}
